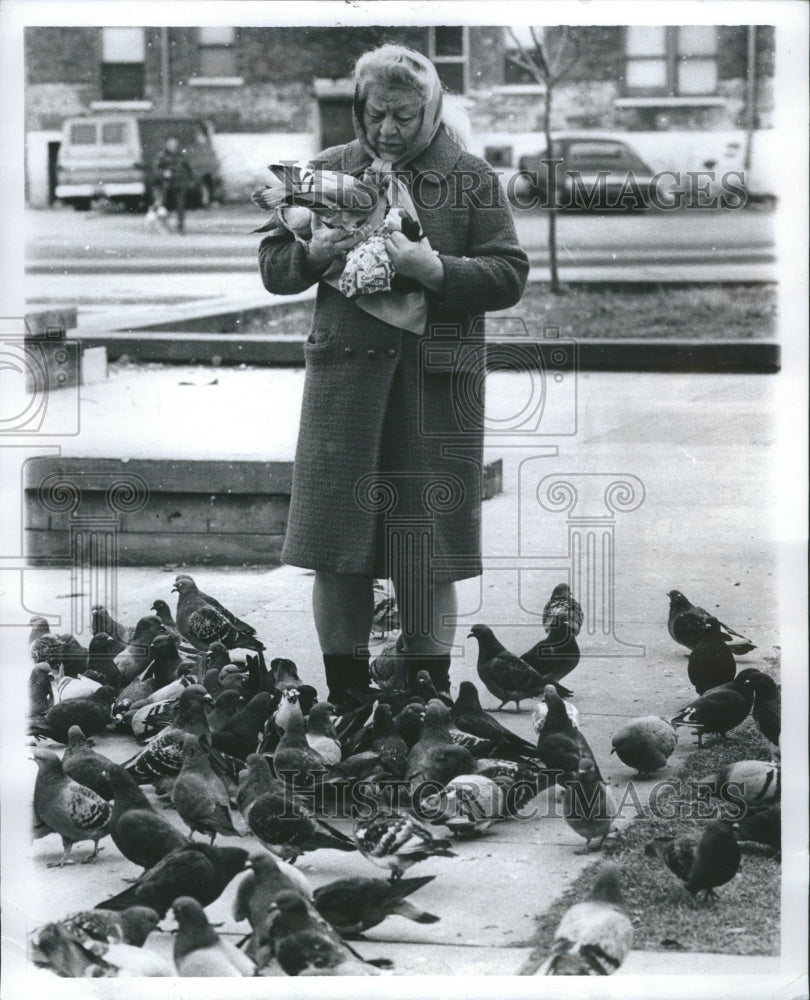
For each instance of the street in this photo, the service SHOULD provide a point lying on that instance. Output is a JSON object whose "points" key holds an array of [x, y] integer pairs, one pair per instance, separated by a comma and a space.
{"points": [[95, 258]]}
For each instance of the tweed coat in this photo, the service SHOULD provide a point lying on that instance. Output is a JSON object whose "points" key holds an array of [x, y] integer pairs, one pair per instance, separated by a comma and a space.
{"points": [[388, 464]]}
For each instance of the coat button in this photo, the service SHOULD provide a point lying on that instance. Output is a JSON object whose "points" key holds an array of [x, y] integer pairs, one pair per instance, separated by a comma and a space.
{"points": [[348, 350], [392, 353], [371, 354]]}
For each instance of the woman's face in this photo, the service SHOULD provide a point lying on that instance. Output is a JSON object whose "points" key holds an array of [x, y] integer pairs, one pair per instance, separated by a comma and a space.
{"points": [[392, 118]]}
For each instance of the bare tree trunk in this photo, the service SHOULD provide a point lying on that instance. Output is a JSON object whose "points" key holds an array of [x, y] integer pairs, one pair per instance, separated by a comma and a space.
{"points": [[552, 195]]}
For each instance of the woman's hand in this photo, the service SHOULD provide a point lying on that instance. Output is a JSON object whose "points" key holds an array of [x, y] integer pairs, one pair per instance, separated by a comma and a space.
{"points": [[327, 244], [416, 260]]}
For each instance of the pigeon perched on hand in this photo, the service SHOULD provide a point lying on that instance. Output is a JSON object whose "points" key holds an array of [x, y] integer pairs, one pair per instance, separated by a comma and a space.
{"points": [[199, 796], [719, 710], [502, 673], [91, 714], [711, 662], [353, 905], [81, 762], [195, 869], [65, 807], [685, 625], [140, 833], [198, 949], [595, 936], [589, 806], [703, 861], [396, 841], [645, 743]]}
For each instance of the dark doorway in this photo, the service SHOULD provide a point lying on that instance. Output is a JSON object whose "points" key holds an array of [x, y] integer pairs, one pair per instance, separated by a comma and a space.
{"points": [[53, 153]]}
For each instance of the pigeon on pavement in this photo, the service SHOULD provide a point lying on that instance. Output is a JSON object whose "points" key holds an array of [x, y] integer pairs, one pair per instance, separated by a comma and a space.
{"points": [[81, 762], [711, 662], [754, 782], [39, 626], [266, 878], [103, 621], [74, 655], [502, 673], [702, 861], [353, 905], [589, 806], [162, 756], [199, 796], [47, 648], [91, 713], [101, 657], [719, 710], [555, 656], [202, 623], [304, 945], [645, 743], [408, 723], [65, 807], [240, 735], [388, 744], [285, 674], [470, 717], [295, 761], [321, 734], [560, 744], [436, 757], [241, 625], [195, 869], [139, 832], [762, 826], [80, 946], [562, 608], [396, 841], [282, 822], [540, 711], [468, 805], [40, 692], [767, 710], [520, 781], [224, 708], [136, 657], [198, 949], [595, 935], [685, 625]]}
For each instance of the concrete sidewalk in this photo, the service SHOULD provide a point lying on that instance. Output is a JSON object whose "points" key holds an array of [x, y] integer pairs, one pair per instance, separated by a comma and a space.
{"points": [[678, 470]]}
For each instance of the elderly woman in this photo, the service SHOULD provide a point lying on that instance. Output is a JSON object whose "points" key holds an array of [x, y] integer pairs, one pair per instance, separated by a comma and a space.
{"points": [[387, 478]]}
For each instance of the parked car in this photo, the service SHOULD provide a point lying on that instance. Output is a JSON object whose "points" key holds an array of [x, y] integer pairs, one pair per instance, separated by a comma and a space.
{"points": [[596, 173], [113, 155]]}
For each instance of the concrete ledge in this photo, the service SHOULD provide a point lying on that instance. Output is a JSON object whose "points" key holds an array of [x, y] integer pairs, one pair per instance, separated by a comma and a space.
{"points": [[188, 346]]}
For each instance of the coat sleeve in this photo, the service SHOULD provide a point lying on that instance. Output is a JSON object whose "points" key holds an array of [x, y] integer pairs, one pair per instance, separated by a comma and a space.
{"points": [[492, 273], [283, 265]]}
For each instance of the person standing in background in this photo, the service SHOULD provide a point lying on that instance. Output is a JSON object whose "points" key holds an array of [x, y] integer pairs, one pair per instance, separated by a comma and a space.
{"points": [[172, 175]]}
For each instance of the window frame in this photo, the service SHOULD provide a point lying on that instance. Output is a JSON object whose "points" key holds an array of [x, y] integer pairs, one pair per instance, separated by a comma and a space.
{"points": [[463, 60], [672, 57], [229, 47]]}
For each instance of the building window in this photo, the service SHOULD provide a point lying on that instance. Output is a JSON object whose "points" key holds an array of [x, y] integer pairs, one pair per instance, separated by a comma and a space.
{"points": [[122, 59], [673, 61], [217, 52], [512, 72], [449, 51]]}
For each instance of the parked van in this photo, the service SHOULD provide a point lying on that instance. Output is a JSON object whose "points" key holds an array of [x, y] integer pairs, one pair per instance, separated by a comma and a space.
{"points": [[113, 156]]}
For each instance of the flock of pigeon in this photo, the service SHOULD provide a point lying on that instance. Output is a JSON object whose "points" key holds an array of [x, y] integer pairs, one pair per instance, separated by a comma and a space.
{"points": [[236, 746]]}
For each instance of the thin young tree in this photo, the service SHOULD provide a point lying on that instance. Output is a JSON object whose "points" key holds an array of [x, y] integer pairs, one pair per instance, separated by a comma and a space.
{"points": [[547, 64]]}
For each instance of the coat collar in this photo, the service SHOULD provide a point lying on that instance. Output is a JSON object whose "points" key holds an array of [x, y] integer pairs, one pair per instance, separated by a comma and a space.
{"points": [[439, 158]]}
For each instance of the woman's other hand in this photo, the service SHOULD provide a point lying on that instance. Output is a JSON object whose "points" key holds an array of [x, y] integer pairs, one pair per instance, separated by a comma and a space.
{"points": [[327, 244], [415, 260]]}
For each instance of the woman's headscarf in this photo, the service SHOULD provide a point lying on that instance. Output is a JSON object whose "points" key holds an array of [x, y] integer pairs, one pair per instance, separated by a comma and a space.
{"points": [[397, 66]]}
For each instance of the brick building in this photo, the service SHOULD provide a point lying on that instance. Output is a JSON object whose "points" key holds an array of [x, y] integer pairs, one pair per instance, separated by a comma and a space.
{"points": [[282, 92]]}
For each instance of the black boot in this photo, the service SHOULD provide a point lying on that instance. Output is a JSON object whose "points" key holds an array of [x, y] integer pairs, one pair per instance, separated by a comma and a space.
{"points": [[346, 674]]}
